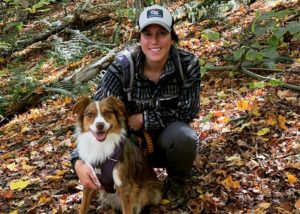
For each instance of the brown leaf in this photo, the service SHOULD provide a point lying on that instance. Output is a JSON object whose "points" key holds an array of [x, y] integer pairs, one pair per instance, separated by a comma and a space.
{"points": [[39, 90], [297, 204], [8, 194]]}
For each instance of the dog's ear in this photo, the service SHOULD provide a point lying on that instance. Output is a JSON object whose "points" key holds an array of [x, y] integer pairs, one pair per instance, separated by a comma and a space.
{"points": [[80, 105], [117, 105]]}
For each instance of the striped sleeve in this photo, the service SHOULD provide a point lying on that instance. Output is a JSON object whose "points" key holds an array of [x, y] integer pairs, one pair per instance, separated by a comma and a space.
{"points": [[111, 83]]}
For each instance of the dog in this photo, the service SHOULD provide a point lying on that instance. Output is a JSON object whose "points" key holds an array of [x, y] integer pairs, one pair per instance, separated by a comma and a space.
{"points": [[128, 183]]}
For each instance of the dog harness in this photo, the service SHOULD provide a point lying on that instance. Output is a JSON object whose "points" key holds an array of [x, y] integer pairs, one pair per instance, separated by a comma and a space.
{"points": [[105, 175]]}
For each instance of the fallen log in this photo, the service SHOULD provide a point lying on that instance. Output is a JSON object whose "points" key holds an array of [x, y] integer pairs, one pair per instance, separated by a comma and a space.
{"points": [[75, 21], [82, 75]]}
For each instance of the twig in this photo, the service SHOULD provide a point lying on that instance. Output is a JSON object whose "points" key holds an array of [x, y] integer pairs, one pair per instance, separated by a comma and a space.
{"points": [[259, 77], [86, 40], [287, 155]]}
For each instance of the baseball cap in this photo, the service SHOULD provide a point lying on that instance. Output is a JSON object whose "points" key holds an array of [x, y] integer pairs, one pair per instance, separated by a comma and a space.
{"points": [[156, 14]]}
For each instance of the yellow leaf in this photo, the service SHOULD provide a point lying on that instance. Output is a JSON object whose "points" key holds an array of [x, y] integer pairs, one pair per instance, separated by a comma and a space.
{"points": [[204, 101], [253, 109], [68, 100], [235, 159], [282, 121], [297, 204], [26, 167], [242, 105], [225, 120], [44, 199], [12, 166], [19, 184], [221, 95], [164, 201], [271, 120], [264, 205], [292, 179], [60, 172], [263, 131], [14, 212], [229, 183], [24, 129]]}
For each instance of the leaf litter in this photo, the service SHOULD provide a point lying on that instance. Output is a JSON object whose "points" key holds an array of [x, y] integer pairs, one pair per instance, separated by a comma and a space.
{"points": [[248, 159]]}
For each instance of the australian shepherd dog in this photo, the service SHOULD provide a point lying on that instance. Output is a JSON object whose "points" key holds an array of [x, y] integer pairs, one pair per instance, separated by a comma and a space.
{"points": [[128, 183]]}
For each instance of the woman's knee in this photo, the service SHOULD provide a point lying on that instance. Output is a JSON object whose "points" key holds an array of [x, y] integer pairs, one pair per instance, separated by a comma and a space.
{"points": [[179, 136]]}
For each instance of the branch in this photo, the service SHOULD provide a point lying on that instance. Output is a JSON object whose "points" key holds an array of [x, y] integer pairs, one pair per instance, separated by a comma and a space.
{"points": [[259, 77], [254, 75]]}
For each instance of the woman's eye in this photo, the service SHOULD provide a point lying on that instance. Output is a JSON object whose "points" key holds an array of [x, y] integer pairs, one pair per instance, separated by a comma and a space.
{"points": [[163, 33], [147, 34]]}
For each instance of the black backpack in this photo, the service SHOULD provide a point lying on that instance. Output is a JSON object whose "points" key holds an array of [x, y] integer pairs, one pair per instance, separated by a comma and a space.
{"points": [[126, 60]]}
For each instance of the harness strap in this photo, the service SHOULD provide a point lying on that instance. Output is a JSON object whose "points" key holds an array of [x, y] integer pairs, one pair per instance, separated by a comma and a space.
{"points": [[106, 168]]}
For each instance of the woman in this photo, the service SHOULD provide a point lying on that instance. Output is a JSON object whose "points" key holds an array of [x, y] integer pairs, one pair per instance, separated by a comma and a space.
{"points": [[162, 102]]}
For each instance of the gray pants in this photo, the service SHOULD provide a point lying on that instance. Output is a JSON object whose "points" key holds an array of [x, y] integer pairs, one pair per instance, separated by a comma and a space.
{"points": [[175, 149]]}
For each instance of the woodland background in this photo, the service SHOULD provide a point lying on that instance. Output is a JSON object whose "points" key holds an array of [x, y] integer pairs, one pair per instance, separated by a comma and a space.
{"points": [[53, 51]]}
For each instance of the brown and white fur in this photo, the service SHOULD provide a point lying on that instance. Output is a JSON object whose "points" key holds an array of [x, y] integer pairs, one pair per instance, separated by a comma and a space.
{"points": [[101, 127]]}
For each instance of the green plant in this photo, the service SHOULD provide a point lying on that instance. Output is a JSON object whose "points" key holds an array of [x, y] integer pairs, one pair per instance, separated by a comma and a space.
{"points": [[268, 30], [20, 85], [37, 6], [209, 34]]}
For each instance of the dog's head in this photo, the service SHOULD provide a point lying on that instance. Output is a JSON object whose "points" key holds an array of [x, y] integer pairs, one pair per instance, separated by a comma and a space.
{"points": [[101, 118]]}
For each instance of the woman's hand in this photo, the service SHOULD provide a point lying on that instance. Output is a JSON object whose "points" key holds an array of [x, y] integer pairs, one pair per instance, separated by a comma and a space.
{"points": [[135, 121], [86, 175]]}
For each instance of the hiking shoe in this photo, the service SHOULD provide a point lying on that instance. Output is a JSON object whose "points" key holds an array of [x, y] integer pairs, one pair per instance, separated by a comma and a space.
{"points": [[174, 192]]}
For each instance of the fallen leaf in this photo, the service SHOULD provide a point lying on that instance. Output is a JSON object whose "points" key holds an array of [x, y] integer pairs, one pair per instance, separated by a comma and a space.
{"points": [[242, 105], [271, 120], [164, 201], [19, 184], [297, 204], [26, 167], [12, 166], [14, 212], [8, 194], [44, 199], [281, 122], [235, 159], [263, 131], [292, 179], [264, 205], [39, 90], [204, 101], [221, 94], [228, 183], [283, 94], [60, 172], [25, 129]]}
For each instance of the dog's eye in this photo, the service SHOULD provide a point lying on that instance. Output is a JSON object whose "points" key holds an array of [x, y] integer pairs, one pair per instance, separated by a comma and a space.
{"points": [[107, 113], [89, 114]]}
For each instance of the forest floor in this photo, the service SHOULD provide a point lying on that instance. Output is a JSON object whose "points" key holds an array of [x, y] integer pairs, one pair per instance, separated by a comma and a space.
{"points": [[249, 155]]}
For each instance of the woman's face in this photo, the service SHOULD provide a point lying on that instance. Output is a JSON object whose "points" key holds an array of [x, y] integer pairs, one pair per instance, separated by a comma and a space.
{"points": [[156, 43]]}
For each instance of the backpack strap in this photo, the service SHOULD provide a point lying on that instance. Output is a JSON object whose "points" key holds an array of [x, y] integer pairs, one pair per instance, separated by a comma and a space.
{"points": [[127, 64], [177, 62]]}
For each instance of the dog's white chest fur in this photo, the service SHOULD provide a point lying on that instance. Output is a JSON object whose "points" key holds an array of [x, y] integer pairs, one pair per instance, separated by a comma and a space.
{"points": [[92, 151]]}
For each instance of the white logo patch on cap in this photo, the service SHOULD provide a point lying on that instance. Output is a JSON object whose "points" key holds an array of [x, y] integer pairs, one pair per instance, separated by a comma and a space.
{"points": [[155, 13]]}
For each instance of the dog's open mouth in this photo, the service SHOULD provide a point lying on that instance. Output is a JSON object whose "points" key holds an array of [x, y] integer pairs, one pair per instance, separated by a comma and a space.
{"points": [[100, 136]]}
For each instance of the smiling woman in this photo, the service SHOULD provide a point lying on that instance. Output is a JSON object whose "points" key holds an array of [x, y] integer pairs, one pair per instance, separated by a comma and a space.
{"points": [[163, 99]]}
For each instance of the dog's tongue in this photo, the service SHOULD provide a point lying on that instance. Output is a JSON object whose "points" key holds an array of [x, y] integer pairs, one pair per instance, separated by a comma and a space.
{"points": [[100, 136]]}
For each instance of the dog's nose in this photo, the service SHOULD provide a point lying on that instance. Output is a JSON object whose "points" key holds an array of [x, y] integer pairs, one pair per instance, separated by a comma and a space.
{"points": [[99, 125]]}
